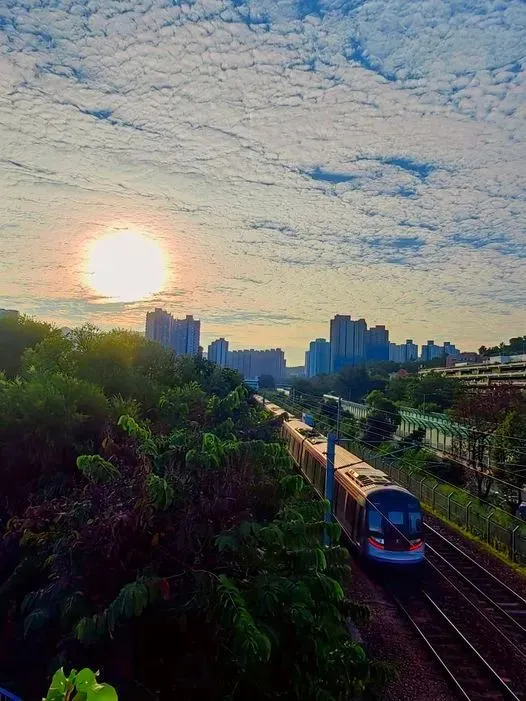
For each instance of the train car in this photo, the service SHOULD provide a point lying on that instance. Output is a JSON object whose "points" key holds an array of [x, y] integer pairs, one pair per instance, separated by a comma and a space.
{"points": [[381, 519]]}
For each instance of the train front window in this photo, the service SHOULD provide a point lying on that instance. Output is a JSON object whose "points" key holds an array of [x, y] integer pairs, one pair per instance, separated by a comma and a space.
{"points": [[394, 515], [415, 523]]}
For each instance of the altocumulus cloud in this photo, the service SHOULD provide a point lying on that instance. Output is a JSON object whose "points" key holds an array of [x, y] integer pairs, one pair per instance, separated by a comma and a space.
{"points": [[346, 155]]}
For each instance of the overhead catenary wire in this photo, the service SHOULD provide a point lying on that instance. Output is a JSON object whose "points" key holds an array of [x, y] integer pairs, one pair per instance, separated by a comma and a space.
{"points": [[444, 419], [486, 436], [487, 475]]}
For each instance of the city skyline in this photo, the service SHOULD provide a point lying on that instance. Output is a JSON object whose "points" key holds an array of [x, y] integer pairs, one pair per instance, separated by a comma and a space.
{"points": [[350, 342], [267, 165]]}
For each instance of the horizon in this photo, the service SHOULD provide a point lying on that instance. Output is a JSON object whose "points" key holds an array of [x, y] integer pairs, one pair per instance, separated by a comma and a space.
{"points": [[267, 165]]}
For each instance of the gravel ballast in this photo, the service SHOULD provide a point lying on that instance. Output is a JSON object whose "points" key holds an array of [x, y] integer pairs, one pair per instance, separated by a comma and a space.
{"points": [[390, 638]]}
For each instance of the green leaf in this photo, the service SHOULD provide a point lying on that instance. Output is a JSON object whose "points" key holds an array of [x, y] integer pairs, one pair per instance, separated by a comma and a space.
{"points": [[58, 687], [96, 469], [85, 679], [102, 692]]}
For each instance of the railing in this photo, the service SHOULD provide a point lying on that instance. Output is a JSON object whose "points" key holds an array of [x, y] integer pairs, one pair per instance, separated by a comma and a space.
{"points": [[503, 532]]}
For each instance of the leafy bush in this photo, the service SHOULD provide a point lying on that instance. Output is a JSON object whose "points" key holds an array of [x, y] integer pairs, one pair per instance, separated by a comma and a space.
{"points": [[171, 546]]}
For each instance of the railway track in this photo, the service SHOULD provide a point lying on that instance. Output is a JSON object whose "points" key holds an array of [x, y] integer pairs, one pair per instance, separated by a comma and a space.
{"points": [[504, 608], [471, 675]]}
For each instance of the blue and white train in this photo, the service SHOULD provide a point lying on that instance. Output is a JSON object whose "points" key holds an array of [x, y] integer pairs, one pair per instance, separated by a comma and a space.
{"points": [[381, 519]]}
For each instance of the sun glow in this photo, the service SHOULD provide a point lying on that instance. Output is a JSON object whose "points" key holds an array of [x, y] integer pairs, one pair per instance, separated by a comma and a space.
{"points": [[126, 266]]}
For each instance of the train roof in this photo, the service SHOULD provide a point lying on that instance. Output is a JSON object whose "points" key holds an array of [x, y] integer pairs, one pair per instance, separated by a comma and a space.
{"points": [[350, 469]]}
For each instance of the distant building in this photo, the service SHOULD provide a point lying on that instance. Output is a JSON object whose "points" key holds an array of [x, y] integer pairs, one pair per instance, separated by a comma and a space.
{"points": [[13, 313], [218, 352], [185, 335], [253, 363], [466, 357], [377, 343], [451, 350], [318, 358], [509, 370], [181, 335], [403, 352], [396, 352], [159, 327], [411, 350], [347, 342], [431, 351]]}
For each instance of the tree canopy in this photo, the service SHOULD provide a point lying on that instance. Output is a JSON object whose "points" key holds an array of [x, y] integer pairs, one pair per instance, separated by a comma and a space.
{"points": [[153, 528]]}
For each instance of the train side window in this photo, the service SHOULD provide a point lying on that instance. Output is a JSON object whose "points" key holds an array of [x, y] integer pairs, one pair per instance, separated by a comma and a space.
{"points": [[309, 466], [357, 531], [316, 477], [350, 510], [297, 450], [337, 496], [339, 500], [321, 486]]}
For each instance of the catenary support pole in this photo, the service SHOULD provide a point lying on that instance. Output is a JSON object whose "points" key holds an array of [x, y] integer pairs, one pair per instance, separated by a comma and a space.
{"points": [[329, 480]]}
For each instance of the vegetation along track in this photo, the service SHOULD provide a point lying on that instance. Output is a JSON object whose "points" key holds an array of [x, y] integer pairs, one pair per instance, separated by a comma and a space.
{"points": [[472, 676], [504, 608]]}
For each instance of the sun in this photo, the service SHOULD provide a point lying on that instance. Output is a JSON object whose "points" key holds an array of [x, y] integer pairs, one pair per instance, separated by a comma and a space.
{"points": [[126, 266]]}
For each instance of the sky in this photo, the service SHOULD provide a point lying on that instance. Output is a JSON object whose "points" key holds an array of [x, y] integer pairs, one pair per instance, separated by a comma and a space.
{"points": [[291, 159]]}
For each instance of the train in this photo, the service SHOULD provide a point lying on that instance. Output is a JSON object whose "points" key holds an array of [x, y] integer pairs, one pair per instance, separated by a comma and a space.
{"points": [[382, 520]]}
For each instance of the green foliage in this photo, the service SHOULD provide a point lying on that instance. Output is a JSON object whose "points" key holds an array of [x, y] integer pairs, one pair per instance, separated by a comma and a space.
{"points": [[432, 392], [17, 334], [509, 456], [515, 346], [96, 469], [145, 500], [131, 602], [160, 492], [79, 686], [140, 433]]}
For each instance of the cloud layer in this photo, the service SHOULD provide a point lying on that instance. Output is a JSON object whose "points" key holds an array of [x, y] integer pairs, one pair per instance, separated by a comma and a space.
{"points": [[295, 159]]}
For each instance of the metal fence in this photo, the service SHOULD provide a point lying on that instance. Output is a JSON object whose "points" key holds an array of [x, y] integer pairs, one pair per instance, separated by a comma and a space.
{"points": [[489, 523], [502, 531]]}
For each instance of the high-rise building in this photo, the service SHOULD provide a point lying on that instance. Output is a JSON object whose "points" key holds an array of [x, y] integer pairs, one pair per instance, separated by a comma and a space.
{"points": [[377, 343], [181, 335], [347, 342], [318, 358], [431, 351], [218, 352], [341, 341], [185, 335], [396, 352], [307, 364], [254, 363], [411, 350], [159, 327], [451, 349], [403, 352]]}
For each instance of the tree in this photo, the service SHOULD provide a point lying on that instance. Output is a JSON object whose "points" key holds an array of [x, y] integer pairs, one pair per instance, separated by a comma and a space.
{"points": [[432, 392], [16, 335], [383, 418], [509, 456], [353, 383], [482, 410], [515, 346], [181, 521], [267, 382]]}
